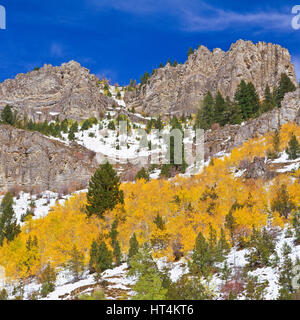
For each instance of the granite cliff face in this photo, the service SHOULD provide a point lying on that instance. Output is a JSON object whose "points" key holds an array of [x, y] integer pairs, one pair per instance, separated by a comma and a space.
{"points": [[177, 90], [32, 161], [67, 91]]}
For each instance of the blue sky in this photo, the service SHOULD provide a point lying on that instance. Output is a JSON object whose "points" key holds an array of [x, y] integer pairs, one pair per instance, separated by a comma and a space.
{"points": [[121, 39]]}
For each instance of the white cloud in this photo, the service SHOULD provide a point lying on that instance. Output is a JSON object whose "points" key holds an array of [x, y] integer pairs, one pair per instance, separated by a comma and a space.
{"points": [[56, 50], [196, 15]]}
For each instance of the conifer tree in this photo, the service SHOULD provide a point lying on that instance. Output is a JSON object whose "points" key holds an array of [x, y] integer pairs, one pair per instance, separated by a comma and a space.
{"points": [[142, 174], [191, 51], [115, 243], [293, 149], [247, 98], [47, 279], [276, 146], [7, 116], [76, 263], [282, 202], [9, 227], [133, 246], [220, 109], [101, 258], [104, 191], [285, 86], [206, 114], [201, 257], [268, 102]]}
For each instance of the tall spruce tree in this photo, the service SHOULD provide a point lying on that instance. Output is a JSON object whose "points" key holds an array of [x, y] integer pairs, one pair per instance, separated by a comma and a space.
{"points": [[268, 102], [220, 109], [133, 246], [104, 191], [9, 227], [7, 116], [206, 115], [248, 100], [293, 149], [201, 256], [285, 85]]}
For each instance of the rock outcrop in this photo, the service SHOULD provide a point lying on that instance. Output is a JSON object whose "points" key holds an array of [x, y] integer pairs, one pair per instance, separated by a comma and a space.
{"points": [[177, 90], [32, 161], [224, 140], [67, 91]]}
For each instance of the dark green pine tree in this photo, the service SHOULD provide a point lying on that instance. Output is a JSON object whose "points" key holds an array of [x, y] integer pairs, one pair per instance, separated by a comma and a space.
{"points": [[71, 135], [104, 191], [285, 86], [7, 116], [142, 174], [191, 51], [175, 64], [247, 99], [293, 149], [93, 257], [282, 202], [220, 109], [268, 103], [9, 227], [133, 247], [76, 263], [206, 114], [234, 114], [101, 258], [201, 256], [159, 222], [115, 243]]}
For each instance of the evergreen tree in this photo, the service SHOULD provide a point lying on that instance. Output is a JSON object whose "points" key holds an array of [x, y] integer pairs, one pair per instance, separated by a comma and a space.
{"points": [[286, 275], [247, 98], [142, 174], [76, 263], [234, 114], [133, 247], [102, 258], [293, 149], [175, 64], [220, 109], [230, 221], [115, 243], [111, 126], [149, 285], [201, 257], [9, 228], [7, 116], [262, 247], [206, 114], [159, 222], [191, 51], [71, 135], [282, 202], [104, 191], [268, 103], [47, 279], [276, 146], [285, 86]]}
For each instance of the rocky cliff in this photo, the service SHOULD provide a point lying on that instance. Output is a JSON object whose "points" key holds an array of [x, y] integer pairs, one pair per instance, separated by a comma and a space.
{"points": [[175, 90], [67, 91], [30, 160]]}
